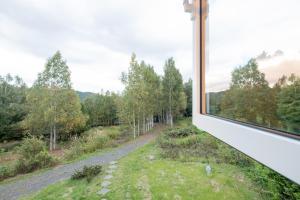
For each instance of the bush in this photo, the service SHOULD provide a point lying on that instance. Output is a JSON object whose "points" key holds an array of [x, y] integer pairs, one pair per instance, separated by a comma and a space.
{"points": [[94, 143], [88, 172], [181, 132], [88, 144], [181, 143], [76, 149], [33, 155], [6, 172]]}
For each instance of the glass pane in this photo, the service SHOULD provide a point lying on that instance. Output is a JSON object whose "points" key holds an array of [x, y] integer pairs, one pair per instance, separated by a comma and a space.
{"points": [[253, 62]]}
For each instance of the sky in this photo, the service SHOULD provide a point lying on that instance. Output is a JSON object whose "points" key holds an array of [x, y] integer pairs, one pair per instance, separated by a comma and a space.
{"points": [[96, 37], [241, 30]]}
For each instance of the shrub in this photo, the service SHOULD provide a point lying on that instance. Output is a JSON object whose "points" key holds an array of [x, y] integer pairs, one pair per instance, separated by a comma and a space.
{"points": [[180, 142], [88, 172], [94, 143], [76, 149], [33, 155], [88, 144], [6, 172], [181, 132]]}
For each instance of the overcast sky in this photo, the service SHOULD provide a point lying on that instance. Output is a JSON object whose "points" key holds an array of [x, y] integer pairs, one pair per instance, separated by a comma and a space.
{"points": [[96, 37], [242, 29]]}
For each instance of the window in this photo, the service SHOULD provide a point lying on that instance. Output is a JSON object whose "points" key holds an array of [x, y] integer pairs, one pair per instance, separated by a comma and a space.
{"points": [[246, 77], [253, 63]]}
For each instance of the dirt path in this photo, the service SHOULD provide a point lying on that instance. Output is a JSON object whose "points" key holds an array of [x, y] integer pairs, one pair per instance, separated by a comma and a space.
{"points": [[12, 191]]}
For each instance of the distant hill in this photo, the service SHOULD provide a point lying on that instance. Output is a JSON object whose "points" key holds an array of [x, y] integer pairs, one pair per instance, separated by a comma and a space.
{"points": [[84, 95]]}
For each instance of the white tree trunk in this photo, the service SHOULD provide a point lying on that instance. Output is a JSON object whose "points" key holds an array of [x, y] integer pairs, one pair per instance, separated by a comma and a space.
{"points": [[138, 127], [133, 126], [54, 137], [152, 122], [51, 139], [144, 123]]}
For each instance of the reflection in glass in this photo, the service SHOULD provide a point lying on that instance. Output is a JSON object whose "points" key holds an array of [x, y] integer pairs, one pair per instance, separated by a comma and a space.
{"points": [[253, 62]]}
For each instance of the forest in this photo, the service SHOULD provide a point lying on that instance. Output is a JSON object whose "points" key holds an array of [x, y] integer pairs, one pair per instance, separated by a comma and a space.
{"points": [[252, 99], [52, 109]]}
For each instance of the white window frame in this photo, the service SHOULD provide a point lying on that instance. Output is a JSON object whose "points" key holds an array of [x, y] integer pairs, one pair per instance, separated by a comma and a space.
{"points": [[278, 152]]}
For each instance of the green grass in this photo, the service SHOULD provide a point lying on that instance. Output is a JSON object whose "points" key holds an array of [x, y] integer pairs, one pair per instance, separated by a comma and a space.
{"points": [[140, 177], [143, 178]]}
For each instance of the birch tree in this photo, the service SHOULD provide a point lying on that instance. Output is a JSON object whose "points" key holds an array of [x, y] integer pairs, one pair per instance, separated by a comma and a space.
{"points": [[54, 106], [173, 93]]}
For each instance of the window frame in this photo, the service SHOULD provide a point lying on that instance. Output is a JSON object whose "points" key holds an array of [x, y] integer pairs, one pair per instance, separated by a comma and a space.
{"points": [[273, 148]]}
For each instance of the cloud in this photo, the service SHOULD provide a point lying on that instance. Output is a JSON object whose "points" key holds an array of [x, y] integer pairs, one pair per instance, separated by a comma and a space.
{"points": [[95, 37], [241, 30]]}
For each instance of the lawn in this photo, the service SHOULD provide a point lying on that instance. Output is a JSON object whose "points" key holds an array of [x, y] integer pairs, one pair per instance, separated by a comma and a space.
{"points": [[145, 175]]}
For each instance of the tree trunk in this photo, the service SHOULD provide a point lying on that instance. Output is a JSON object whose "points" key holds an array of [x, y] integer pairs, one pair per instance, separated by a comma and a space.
{"points": [[138, 127], [144, 123], [170, 108], [51, 139], [133, 126], [54, 137]]}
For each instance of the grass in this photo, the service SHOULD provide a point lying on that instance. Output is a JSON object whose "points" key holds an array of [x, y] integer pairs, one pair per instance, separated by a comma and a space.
{"points": [[156, 171], [160, 178], [141, 177]]}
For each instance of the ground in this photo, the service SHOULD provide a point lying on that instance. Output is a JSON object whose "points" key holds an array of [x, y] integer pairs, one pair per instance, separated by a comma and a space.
{"points": [[17, 188], [143, 174]]}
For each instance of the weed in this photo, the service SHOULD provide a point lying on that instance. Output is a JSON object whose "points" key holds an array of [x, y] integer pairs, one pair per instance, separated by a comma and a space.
{"points": [[88, 172]]}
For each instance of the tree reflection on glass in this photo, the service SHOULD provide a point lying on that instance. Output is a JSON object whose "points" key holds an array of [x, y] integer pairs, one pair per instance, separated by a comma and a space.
{"points": [[251, 99]]}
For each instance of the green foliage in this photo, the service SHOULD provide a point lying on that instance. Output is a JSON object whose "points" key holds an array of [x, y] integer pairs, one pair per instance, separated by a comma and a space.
{"points": [[6, 172], [76, 148], [93, 140], [172, 90], [289, 104], [184, 144], [181, 143], [94, 143], [88, 172], [53, 106], [273, 185], [139, 103], [56, 74], [249, 98], [188, 90], [101, 109], [12, 107], [33, 155]]}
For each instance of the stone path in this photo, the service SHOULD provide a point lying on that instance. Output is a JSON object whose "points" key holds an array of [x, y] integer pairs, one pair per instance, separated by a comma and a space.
{"points": [[106, 183], [14, 190]]}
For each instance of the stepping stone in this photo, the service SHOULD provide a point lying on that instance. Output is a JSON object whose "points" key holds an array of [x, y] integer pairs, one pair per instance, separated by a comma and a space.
{"points": [[107, 177], [103, 191], [112, 167], [110, 171], [113, 162], [151, 157], [105, 184]]}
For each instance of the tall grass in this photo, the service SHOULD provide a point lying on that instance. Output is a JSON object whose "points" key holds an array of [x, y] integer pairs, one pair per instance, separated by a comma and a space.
{"points": [[92, 140]]}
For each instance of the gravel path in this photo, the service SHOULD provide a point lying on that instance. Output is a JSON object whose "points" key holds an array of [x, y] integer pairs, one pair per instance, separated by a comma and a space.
{"points": [[12, 191]]}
